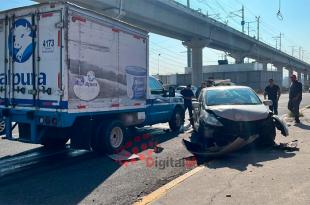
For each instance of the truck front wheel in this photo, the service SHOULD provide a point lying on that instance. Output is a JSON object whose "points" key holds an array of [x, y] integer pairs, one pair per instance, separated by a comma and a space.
{"points": [[110, 137], [176, 120], [2, 127]]}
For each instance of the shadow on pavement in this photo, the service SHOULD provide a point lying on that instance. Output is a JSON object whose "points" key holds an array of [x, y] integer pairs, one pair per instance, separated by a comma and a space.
{"points": [[249, 156], [70, 180], [302, 126]]}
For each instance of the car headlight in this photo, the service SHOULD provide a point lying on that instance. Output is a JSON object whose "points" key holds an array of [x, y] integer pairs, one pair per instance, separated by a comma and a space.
{"points": [[210, 119]]}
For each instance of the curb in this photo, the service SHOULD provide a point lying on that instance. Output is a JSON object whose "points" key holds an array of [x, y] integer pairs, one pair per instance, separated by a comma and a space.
{"points": [[164, 189]]}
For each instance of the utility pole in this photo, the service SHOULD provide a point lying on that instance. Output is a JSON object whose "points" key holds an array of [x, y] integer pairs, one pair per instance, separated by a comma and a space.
{"points": [[280, 40], [158, 65], [300, 52], [281, 34], [188, 3], [243, 21], [258, 22], [234, 13]]}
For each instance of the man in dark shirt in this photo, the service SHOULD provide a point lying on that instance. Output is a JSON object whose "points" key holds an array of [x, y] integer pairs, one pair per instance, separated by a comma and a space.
{"points": [[188, 95], [273, 92], [295, 97]]}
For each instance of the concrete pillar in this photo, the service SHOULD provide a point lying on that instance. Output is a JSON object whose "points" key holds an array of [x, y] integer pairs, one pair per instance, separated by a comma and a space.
{"points": [[307, 80], [280, 73], [299, 76], [265, 66], [196, 46], [290, 72], [238, 56]]}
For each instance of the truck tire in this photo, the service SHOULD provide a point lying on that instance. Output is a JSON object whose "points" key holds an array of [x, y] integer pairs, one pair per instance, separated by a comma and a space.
{"points": [[54, 138], [176, 120], [110, 137], [2, 127]]}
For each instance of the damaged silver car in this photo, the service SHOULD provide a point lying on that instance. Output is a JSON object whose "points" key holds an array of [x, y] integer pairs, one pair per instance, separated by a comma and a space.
{"points": [[228, 118]]}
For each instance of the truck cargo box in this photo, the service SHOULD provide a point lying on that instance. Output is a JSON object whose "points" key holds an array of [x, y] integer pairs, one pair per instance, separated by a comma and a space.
{"points": [[63, 58]]}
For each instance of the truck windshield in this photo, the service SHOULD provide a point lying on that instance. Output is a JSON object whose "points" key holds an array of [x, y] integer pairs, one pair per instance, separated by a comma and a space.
{"points": [[237, 96]]}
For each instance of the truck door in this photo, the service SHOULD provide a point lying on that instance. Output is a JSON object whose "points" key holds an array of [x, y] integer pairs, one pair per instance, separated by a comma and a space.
{"points": [[34, 60], [3, 59], [159, 108], [49, 82]]}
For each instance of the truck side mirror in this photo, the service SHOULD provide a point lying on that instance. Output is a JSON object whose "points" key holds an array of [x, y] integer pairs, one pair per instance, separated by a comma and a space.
{"points": [[171, 92]]}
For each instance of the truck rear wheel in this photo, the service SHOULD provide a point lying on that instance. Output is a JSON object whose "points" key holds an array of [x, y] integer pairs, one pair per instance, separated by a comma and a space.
{"points": [[109, 138], [176, 120]]}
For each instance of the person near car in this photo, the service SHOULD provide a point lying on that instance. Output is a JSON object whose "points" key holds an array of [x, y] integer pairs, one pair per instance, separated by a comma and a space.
{"points": [[202, 86], [295, 97], [273, 92], [188, 95]]}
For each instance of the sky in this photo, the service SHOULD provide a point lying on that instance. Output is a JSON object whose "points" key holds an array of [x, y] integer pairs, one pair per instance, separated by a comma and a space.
{"points": [[169, 56]]}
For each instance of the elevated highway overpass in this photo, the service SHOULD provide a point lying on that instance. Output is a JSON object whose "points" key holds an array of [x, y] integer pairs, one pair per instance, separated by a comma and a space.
{"points": [[195, 30]]}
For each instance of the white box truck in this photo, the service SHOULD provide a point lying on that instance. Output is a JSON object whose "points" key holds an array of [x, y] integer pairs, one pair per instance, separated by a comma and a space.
{"points": [[69, 73]]}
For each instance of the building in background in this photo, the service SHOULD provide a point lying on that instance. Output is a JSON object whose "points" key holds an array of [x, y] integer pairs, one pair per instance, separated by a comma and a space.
{"points": [[249, 74]]}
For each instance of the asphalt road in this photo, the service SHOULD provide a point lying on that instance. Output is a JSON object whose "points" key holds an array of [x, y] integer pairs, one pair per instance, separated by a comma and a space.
{"points": [[30, 175]]}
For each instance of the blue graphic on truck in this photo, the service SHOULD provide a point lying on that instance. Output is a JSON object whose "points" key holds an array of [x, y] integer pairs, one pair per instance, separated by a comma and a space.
{"points": [[20, 41]]}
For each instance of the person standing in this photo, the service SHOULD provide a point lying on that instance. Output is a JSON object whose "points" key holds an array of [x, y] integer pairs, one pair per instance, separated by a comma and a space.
{"points": [[203, 85], [273, 92], [188, 95], [295, 97]]}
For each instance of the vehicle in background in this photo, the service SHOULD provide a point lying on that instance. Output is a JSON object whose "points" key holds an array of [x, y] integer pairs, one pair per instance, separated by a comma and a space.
{"points": [[226, 82], [228, 118], [181, 87], [77, 75]]}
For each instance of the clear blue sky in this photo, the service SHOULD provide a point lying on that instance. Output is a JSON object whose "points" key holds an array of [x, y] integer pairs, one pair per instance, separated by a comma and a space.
{"points": [[295, 26]]}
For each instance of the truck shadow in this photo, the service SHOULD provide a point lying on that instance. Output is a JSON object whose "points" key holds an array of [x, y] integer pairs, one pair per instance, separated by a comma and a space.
{"points": [[69, 180]]}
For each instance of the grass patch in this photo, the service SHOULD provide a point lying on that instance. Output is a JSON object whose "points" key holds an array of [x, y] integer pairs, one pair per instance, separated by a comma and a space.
{"points": [[290, 114]]}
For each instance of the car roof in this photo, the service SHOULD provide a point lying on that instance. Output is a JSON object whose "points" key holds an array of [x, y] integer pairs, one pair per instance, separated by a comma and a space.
{"points": [[227, 87]]}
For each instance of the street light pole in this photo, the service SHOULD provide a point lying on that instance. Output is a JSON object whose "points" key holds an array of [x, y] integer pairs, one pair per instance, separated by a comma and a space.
{"points": [[158, 65]]}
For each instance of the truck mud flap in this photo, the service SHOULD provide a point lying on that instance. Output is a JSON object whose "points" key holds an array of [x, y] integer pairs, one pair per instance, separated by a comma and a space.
{"points": [[280, 125], [81, 134]]}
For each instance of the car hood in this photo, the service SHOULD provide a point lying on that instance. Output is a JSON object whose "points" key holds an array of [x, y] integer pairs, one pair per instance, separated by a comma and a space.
{"points": [[241, 112]]}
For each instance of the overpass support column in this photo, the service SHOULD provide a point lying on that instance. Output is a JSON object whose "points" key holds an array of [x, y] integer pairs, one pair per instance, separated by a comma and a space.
{"points": [[280, 72], [299, 76], [307, 79], [196, 46], [265, 66], [290, 72], [239, 57]]}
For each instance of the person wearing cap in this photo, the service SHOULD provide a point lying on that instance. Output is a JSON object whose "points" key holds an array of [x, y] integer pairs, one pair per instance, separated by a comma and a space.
{"points": [[295, 97], [188, 95], [273, 92]]}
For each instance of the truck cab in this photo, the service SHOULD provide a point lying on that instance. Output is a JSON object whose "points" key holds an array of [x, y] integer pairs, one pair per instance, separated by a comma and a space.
{"points": [[163, 106]]}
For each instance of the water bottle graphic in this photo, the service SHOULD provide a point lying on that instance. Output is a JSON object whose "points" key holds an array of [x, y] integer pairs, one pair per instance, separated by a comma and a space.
{"points": [[136, 82]]}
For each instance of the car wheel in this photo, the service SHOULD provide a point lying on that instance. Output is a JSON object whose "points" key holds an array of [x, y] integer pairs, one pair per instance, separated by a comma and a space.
{"points": [[110, 138], [176, 120], [267, 134]]}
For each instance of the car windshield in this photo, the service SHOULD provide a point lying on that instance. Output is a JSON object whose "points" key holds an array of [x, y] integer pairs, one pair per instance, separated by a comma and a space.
{"points": [[237, 96]]}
